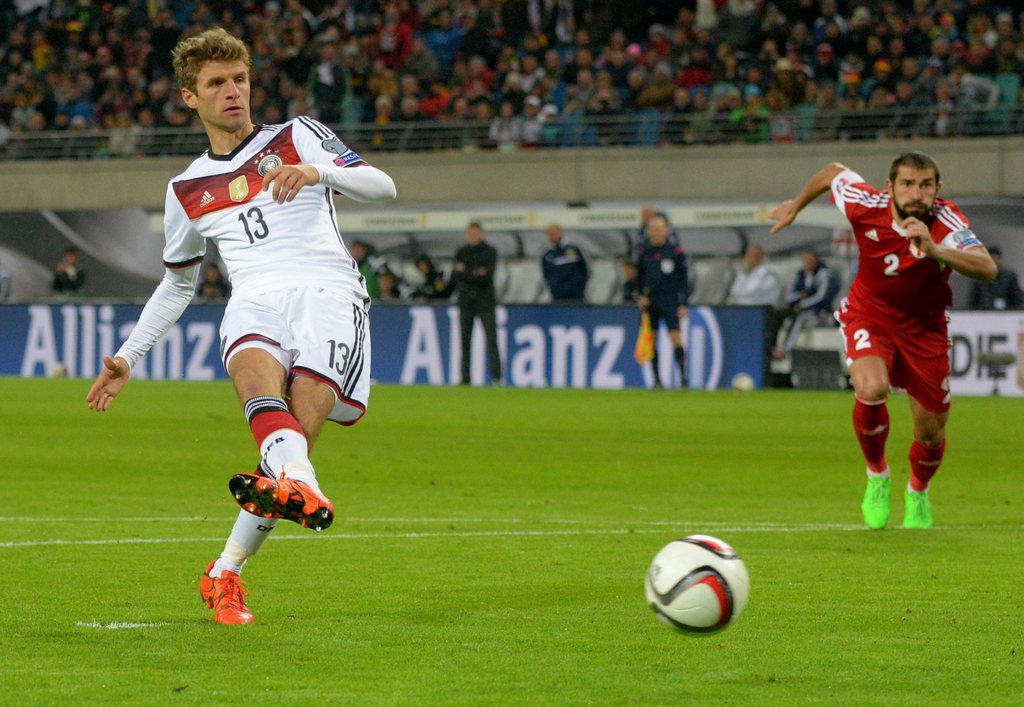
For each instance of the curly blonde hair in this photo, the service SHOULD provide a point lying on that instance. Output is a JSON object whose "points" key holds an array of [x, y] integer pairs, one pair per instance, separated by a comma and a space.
{"points": [[215, 44]]}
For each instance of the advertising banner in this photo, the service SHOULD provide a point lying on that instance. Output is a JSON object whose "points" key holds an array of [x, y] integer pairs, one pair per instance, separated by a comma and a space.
{"points": [[979, 340], [541, 346]]}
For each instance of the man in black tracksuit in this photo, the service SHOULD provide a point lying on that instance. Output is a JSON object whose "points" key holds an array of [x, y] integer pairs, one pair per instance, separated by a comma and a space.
{"points": [[565, 267], [474, 286], [662, 279]]}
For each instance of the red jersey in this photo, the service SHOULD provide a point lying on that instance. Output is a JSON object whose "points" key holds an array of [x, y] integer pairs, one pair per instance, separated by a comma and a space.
{"points": [[895, 280]]}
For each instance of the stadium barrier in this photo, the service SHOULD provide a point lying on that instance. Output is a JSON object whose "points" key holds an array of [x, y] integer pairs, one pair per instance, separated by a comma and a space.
{"points": [[542, 346], [649, 128]]}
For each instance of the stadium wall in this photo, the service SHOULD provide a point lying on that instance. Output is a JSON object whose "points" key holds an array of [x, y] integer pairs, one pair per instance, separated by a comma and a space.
{"points": [[971, 167]]}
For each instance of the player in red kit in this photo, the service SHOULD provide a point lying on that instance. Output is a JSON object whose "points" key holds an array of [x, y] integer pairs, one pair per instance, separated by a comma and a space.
{"points": [[893, 321]]}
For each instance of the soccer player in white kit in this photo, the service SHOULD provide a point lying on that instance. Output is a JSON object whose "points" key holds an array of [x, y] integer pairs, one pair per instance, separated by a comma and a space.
{"points": [[295, 338]]}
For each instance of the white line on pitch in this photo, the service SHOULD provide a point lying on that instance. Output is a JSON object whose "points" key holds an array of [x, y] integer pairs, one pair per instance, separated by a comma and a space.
{"points": [[200, 519], [117, 624], [682, 527]]}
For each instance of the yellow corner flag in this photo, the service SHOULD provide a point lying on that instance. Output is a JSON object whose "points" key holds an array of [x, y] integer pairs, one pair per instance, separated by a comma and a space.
{"points": [[644, 350]]}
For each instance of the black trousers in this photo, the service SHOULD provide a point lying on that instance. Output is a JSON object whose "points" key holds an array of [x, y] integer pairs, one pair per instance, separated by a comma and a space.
{"points": [[482, 308]]}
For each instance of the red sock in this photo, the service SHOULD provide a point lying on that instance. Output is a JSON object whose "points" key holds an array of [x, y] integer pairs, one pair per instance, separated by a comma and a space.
{"points": [[871, 423], [924, 462], [268, 414]]}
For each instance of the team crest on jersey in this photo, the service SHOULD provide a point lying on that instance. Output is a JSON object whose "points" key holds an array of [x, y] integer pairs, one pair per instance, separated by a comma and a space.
{"points": [[238, 188], [268, 163], [668, 266]]}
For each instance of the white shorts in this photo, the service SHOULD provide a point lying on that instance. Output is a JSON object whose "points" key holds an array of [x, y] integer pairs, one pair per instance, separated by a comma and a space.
{"points": [[312, 331]]}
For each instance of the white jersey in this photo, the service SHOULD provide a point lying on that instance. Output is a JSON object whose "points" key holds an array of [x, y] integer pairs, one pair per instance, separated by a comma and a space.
{"points": [[265, 245]]}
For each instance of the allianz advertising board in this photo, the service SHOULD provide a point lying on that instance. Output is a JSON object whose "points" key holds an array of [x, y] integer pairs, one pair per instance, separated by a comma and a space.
{"points": [[541, 346]]}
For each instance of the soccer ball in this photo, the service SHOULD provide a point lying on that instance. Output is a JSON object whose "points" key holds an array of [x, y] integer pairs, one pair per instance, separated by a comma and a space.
{"points": [[743, 382], [697, 585]]}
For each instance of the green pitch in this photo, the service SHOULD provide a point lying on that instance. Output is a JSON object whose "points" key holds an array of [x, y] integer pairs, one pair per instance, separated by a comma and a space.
{"points": [[490, 547]]}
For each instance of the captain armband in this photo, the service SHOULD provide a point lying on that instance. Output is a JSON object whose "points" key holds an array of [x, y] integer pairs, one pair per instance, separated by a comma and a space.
{"points": [[961, 240]]}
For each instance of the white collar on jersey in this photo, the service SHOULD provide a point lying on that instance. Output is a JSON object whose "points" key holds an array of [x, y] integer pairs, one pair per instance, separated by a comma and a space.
{"points": [[899, 229]]}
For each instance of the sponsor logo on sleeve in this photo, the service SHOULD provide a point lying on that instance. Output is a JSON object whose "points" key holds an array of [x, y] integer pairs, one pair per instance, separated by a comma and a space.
{"points": [[206, 200], [349, 158]]}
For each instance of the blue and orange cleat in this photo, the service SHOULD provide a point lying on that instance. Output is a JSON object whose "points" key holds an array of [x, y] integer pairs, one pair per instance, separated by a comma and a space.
{"points": [[284, 498], [226, 596]]}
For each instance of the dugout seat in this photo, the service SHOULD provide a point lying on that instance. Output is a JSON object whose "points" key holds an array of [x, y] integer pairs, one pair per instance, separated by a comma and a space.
{"points": [[525, 281], [603, 287]]}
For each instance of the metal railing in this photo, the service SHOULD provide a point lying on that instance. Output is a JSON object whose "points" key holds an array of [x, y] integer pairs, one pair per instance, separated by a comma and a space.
{"points": [[647, 128]]}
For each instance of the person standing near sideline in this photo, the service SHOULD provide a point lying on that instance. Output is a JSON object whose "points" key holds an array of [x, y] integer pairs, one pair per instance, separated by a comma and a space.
{"points": [[295, 333], [564, 266], [893, 322], [663, 284], [473, 275], [1002, 293]]}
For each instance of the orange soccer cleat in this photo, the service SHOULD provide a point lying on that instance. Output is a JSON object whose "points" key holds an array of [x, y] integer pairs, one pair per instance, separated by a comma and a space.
{"points": [[226, 596], [284, 498]]}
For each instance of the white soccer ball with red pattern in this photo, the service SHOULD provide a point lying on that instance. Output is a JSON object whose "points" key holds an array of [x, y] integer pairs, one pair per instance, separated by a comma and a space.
{"points": [[697, 585]]}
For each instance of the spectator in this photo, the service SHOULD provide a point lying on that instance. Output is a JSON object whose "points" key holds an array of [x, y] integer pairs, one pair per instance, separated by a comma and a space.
{"points": [[565, 267], [531, 123], [330, 83], [213, 287], [755, 284], [507, 127], [5, 283], [362, 254], [808, 299], [68, 276], [392, 288], [474, 284], [435, 285], [394, 39], [630, 289], [1002, 293]]}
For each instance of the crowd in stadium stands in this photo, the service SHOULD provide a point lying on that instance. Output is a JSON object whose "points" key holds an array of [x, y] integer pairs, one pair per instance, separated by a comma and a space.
{"points": [[530, 72]]}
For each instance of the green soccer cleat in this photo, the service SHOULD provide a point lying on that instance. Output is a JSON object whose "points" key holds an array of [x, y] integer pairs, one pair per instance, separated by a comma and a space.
{"points": [[917, 511], [876, 502]]}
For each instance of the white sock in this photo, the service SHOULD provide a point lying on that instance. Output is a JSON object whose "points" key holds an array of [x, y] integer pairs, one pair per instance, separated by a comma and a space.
{"points": [[302, 472], [878, 474], [246, 539], [283, 447]]}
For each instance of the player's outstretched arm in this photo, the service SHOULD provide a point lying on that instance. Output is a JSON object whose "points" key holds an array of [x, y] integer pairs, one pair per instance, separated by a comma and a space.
{"points": [[786, 212], [108, 383]]}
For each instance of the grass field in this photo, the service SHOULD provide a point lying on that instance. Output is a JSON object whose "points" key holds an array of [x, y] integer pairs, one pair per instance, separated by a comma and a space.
{"points": [[490, 548]]}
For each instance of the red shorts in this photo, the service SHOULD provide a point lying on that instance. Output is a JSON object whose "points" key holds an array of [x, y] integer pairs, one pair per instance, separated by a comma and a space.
{"points": [[916, 353]]}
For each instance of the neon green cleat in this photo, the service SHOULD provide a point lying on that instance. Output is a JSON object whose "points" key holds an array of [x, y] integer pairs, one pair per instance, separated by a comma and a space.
{"points": [[876, 502], [917, 511]]}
